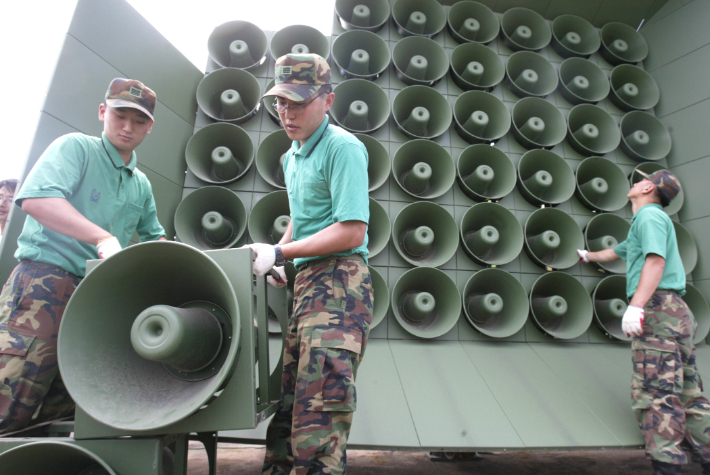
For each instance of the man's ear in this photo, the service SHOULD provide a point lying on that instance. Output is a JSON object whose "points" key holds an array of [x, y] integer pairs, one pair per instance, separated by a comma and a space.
{"points": [[150, 127], [329, 98], [102, 111]]}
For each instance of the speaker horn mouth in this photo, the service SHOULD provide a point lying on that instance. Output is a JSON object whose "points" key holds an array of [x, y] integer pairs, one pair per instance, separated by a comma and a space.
{"points": [[603, 232], [574, 36], [369, 15], [560, 306], [472, 22], [360, 54], [299, 39], [610, 302], [524, 29], [219, 153], [238, 44], [552, 238], [418, 17], [622, 44]]}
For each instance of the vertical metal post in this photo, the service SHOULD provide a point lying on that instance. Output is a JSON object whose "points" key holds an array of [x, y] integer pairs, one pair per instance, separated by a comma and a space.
{"points": [[262, 339]]}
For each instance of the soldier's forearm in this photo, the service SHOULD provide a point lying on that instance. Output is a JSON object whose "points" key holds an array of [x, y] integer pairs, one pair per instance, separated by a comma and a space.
{"points": [[61, 217], [607, 255]]}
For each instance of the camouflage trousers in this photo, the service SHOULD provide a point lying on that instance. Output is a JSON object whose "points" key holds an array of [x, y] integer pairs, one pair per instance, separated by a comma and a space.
{"points": [[666, 389], [323, 348], [32, 303]]}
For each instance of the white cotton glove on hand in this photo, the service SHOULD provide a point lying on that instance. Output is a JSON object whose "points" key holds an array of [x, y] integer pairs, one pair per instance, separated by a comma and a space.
{"points": [[265, 257], [583, 256], [108, 247], [282, 280], [632, 323]]}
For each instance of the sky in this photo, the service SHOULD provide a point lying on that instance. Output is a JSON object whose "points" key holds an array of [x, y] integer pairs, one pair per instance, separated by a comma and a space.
{"points": [[32, 33]]}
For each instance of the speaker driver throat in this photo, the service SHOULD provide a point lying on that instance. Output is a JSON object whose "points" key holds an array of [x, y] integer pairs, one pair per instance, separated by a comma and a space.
{"points": [[212, 244]]}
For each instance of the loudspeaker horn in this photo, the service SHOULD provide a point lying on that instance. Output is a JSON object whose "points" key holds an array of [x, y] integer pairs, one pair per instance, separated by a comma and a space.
{"points": [[545, 178], [699, 309], [529, 74], [480, 117], [52, 457], [423, 169], [495, 303], [644, 137], [560, 305], [470, 21], [474, 66], [633, 88], [238, 44], [370, 15], [270, 158], [219, 153], [552, 238], [269, 218], [421, 112], [652, 167], [537, 123], [361, 54], [418, 17], [419, 60], [485, 173], [426, 302], [606, 231], [523, 29], [360, 106], [601, 185], [582, 81], [610, 302], [382, 297], [687, 247], [229, 95], [425, 234], [574, 36], [210, 218], [177, 336], [491, 234], [299, 39], [622, 44], [378, 161], [592, 131], [268, 102], [378, 230]]}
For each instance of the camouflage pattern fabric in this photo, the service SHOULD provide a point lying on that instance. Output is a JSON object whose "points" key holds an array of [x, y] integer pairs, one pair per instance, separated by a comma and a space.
{"points": [[32, 304], [131, 93], [326, 341], [666, 182], [299, 76], [666, 389]]}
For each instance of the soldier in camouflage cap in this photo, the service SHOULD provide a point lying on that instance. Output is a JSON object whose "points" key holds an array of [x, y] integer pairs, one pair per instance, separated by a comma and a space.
{"points": [[667, 185], [299, 76], [132, 94]]}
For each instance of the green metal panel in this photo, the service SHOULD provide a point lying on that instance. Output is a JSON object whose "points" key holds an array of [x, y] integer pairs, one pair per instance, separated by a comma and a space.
{"points": [[700, 230], [665, 9], [686, 71], [167, 196], [692, 177], [630, 12], [586, 9], [688, 128]]}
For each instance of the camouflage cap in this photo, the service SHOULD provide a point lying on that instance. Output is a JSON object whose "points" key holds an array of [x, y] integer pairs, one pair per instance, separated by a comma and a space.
{"points": [[299, 76], [667, 184], [131, 93]]}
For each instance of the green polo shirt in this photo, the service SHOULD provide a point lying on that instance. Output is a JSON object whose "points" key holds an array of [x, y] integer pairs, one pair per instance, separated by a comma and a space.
{"points": [[327, 183], [90, 174], [652, 232]]}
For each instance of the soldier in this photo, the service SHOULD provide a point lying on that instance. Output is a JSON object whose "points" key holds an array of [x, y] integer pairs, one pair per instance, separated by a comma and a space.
{"points": [[7, 194], [666, 390], [85, 198], [326, 178]]}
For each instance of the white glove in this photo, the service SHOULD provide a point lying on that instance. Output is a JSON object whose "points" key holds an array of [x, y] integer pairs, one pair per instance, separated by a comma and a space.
{"points": [[632, 323], [583, 256], [265, 257], [108, 247], [282, 277]]}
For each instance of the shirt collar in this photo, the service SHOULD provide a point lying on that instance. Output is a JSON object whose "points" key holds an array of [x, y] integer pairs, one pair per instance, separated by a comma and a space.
{"points": [[116, 157], [312, 140], [650, 205]]}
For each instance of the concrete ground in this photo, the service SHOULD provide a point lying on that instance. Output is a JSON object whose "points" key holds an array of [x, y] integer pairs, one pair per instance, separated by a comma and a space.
{"points": [[234, 459]]}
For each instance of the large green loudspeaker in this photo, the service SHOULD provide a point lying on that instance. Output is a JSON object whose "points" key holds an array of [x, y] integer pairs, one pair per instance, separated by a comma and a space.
{"points": [[480, 117], [370, 15], [474, 66], [633, 88], [419, 60], [360, 106], [210, 217], [699, 309], [560, 305], [582, 81], [652, 167], [425, 234], [529, 74], [622, 44], [552, 238], [229, 95], [470, 21], [219, 153], [606, 231], [268, 102], [687, 247], [423, 169], [485, 173], [523, 29], [545, 178], [421, 112], [426, 302], [378, 161], [270, 158], [361, 54], [382, 297], [418, 17], [601, 185], [299, 39], [378, 230], [269, 218], [52, 457], [609, 298], [592, 131], [491, 234], [574, 36], [238, 44], [495, 303], [644, 137], [537, 123], [159, 356]]}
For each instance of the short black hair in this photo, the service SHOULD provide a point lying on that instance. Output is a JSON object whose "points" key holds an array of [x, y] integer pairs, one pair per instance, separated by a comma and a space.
{"points": [[10, 184], [661, 197]]}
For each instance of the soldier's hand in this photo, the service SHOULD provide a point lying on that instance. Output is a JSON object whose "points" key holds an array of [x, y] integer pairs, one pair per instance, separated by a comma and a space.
{"points": [[583, 256], [632, 322], [279, 281], [265, 257], [108, 247]]}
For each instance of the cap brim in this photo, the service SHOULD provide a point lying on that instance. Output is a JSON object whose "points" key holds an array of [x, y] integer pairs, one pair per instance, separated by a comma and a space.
{"points": [[121, 103], [295, 92], [643, 174]]}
